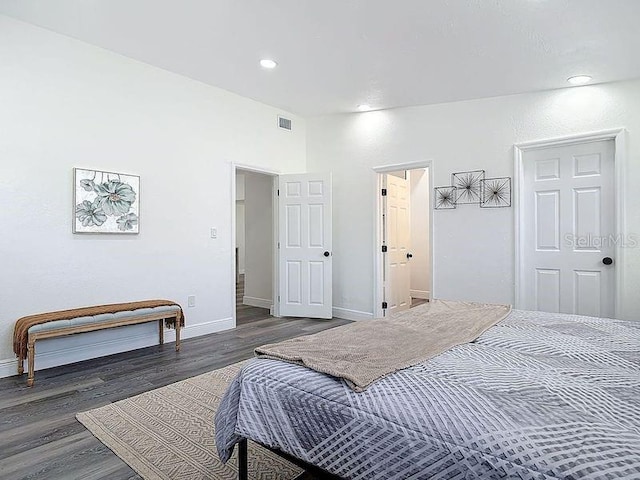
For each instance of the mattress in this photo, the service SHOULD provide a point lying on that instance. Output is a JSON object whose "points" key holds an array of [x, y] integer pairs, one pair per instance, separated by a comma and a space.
{"points": [[538, 396]]}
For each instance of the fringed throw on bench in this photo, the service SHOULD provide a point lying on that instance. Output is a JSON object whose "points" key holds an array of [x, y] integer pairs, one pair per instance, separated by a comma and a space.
{"points": [[21, 330]]}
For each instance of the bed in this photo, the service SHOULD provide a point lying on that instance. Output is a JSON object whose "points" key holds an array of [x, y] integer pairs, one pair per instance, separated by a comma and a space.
{"points": [[537, 396]]}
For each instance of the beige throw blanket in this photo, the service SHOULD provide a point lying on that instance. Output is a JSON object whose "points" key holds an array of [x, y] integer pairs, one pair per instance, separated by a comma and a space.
{"points": [[363, 352]]}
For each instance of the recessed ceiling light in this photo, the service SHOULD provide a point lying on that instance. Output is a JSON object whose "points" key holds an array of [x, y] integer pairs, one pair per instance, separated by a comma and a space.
{"points": [[268, 63], [364, 107], [579, 79]]}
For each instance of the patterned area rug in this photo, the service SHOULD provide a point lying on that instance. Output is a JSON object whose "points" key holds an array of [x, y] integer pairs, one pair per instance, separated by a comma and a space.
{"points": [[168, 433]]}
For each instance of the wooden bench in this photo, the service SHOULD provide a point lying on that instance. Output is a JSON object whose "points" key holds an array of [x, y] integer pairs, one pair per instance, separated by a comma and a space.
{"points": [[91, 323]]}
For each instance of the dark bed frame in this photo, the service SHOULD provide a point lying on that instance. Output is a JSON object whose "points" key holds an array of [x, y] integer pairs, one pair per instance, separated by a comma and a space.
{"points": [[243, 470]]}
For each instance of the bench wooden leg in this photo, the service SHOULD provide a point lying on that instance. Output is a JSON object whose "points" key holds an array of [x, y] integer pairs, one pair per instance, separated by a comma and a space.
{"points": [[31, 353], [20, 365], [177, 335], [161, 330]]}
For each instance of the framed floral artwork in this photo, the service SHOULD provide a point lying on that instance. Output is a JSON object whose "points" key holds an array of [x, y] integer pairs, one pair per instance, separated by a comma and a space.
{"points": [[105, 202]]}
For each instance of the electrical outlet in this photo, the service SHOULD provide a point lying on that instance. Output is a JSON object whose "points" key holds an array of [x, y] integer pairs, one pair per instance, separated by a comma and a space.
{"points": [[191, 300], [214, 233]]}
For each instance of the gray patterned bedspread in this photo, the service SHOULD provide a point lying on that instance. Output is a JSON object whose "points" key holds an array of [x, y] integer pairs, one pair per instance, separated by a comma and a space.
{"points": [[538, 396]]}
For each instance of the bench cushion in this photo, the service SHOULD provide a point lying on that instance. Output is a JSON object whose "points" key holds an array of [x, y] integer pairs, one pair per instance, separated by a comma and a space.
{"points": [[22, 326], [104, 317]]}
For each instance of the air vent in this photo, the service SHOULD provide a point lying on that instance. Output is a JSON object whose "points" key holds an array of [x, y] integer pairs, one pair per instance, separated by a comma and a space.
{"points": [[284, 123]]}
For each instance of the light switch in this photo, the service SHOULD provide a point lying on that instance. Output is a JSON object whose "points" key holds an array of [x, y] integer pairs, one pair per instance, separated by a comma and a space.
{"points": [[214, 233], [191, 300]]}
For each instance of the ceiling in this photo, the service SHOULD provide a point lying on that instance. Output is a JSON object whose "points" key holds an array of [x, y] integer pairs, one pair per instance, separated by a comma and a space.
{"points": [[336, 54]]}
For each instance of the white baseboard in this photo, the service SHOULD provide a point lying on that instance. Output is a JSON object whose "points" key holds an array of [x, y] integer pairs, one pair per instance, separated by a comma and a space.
{"points": [[8, 367], [420, 294], [190, 331], [257, 302], [123, 343], [347, 314]]}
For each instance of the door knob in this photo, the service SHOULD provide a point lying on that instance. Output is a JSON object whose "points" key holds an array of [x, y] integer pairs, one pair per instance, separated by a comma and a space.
{"points": [[326, 254], [409, 255], [607, 260]]}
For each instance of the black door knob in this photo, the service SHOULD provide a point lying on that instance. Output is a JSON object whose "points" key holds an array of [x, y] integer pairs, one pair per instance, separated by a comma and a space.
{"points": [[409, 255], [607, 260], [326, 254]]}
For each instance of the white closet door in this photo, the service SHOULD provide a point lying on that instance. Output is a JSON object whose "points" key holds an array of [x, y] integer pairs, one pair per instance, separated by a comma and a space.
{"points": [[305, 264], [569, 236]]}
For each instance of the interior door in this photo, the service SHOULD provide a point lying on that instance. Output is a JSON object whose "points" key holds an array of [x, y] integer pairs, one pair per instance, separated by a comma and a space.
{"points": [[305, 265], [397, 238], [569, 237]]}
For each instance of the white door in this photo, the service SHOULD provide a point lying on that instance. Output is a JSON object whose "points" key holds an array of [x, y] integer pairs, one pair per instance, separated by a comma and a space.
{"points": [[397, 237], [569, 221], [304, 207]]}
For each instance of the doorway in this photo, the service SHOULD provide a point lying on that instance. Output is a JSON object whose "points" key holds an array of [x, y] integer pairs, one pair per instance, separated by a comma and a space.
{"points": [[254, 248], [569, 236], [282, 256], [403, 259]]}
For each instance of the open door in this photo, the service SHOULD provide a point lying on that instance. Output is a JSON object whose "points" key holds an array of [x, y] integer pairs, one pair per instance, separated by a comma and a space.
{"points": [[305, 273], [397, 239]]}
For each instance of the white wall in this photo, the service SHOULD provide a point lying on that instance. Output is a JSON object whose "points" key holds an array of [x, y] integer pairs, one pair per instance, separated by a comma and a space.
{"points": [[66, 104], [420, 204], [258, 287], [473, 247]]}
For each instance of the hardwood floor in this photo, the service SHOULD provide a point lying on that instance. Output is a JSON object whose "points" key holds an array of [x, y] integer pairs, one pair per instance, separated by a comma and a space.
{"points": [[417, 301], [39, 435], [246, 313]]}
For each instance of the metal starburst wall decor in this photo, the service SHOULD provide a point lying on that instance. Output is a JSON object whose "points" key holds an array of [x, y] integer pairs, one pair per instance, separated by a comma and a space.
{"points": [[496, 192], [445, 198], [467, 186], [473, 188]]}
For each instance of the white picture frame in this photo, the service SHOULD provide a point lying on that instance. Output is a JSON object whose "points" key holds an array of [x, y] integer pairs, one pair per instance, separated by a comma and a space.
{"points": [[105, 202]]}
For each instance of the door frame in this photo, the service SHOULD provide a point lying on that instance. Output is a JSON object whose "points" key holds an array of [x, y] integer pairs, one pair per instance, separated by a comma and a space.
{"points": [[275, 311], [618, 135], [378, 257]]}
